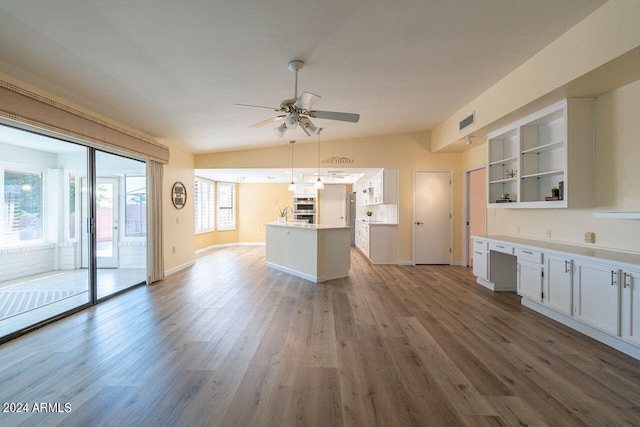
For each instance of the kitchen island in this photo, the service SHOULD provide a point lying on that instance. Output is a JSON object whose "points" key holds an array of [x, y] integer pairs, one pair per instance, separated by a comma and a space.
{"points": [[314, 252]]}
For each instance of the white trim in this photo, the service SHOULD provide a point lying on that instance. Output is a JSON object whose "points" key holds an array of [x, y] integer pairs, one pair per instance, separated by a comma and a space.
{"points": [[314, 279], [178, 268], [466, 206], [606, 338], [405, 263], [226, 245]]}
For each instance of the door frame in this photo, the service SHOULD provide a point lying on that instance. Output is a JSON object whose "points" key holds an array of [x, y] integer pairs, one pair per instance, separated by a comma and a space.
{"points": [[413, 221], [466, 196]]}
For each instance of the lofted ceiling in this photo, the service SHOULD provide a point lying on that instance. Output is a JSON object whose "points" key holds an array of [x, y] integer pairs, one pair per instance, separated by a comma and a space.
{"points": [[174, 69]]}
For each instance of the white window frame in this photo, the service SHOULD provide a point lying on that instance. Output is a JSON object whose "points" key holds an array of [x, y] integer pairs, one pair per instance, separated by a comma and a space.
{"points": [[231, 226], [197, 208], [24, 168]]}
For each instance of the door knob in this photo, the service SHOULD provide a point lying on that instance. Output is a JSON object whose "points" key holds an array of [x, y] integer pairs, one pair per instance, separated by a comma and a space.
{"points": [[419, 223]]}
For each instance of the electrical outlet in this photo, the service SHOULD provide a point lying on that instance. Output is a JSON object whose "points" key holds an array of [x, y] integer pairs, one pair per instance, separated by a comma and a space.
{"points": [[493, 222], [548, 233], [517, 229], [589, 237], [173, 249]]}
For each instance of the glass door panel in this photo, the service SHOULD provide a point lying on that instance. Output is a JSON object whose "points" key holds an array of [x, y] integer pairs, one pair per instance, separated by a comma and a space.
{"points": [[120, 220], [41, 233]]}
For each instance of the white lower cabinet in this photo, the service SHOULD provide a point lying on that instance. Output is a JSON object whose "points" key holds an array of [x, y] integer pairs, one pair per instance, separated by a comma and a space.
{"points": [[597, 296], [481, 264], [558, 283], [596, 292], [630, 281], [530, 280], [378, 242]]}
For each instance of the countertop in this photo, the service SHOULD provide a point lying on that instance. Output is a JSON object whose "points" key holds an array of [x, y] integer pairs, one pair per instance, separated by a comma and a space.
{"points": [[305, 225], [595, 253], [376, 222]]}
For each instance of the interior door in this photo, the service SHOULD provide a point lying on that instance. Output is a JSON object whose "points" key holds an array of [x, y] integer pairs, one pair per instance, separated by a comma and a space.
{"points": [[333, 205], [432, 217]]}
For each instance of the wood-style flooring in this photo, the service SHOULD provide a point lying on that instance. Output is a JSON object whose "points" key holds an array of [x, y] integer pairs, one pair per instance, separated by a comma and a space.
{"points": [[231, 342]]}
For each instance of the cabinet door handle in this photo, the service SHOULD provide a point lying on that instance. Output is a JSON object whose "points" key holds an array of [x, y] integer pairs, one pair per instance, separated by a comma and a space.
{"points": [[625, 284], [612, 281], [498, 246], [527, 252], [567, 266], [479, 253]]}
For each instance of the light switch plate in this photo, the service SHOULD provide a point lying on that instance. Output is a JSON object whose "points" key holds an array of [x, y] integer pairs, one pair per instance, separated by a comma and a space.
{"points": [[589, 237]]}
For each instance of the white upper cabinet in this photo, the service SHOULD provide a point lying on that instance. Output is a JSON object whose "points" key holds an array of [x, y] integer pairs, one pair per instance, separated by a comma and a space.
{"points": [[382, 188], [550, 149]]}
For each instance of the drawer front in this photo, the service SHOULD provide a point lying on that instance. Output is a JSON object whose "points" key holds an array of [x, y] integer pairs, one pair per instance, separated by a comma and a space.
{"points": [[481, 245], [529, 255], [499, 247]]}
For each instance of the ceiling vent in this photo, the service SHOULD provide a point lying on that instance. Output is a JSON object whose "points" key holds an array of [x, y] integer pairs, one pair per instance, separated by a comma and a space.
{"points": [[467, 121]]}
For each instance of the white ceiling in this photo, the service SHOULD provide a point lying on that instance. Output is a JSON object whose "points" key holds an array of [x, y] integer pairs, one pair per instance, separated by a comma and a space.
{"points": [[174, 69]]}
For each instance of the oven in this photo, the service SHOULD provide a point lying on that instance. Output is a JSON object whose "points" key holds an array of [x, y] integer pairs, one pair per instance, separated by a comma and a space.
{"points": [[309, 217], [304, 205]]}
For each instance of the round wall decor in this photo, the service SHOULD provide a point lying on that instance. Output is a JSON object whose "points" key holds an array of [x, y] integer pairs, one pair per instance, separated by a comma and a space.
{"points": [[178, 195]]}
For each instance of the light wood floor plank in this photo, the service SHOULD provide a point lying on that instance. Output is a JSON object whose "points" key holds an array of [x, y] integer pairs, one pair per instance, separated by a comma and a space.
{"points": [[232, 342]]}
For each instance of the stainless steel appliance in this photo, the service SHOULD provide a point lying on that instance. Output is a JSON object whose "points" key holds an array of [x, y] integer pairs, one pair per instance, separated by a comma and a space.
{"points": [[305, 208], [304, 205]]}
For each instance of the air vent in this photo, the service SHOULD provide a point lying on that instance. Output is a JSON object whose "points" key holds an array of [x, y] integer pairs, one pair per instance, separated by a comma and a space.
{"points": [[467, 121]]}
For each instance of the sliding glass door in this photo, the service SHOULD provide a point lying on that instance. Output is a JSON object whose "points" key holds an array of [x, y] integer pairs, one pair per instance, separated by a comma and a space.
{"points": [[120, 221], [41, 233], [72, 227]]}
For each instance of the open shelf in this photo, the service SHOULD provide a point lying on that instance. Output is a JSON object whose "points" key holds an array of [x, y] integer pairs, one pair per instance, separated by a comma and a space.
{"points": [[502, 181], [544, 148], [542, 174], [504, 161]]}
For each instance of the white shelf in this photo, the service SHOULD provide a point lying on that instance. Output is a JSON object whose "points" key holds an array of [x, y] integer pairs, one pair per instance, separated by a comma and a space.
{"points": [[617, 215], [544, 148], [502, 181], [542, 174], [504, 161]]}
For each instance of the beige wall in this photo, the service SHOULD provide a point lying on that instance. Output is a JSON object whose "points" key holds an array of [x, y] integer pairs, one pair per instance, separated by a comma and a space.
{"points": [[617, 179], [406, 152], [178, 225], [257, 205]]}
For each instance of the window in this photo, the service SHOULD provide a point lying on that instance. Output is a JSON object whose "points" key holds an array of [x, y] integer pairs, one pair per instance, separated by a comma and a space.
{"points": [[135, 214], [226, 206], [22, 206], [204, 202]]}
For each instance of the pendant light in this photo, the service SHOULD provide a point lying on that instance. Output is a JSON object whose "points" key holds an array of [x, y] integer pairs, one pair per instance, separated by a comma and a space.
{"points": [[319, 185], [292, 186]]}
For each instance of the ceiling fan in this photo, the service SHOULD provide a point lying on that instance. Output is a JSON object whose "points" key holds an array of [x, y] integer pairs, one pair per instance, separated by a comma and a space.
{"points": [[297, 110]]}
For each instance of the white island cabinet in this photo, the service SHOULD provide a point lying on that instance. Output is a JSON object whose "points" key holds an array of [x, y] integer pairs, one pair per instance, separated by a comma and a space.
{"points": [[594, 291], [312, 251]]}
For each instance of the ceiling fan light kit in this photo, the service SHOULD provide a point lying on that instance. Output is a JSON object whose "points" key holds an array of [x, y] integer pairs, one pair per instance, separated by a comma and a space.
{"points": [[297, 110]]}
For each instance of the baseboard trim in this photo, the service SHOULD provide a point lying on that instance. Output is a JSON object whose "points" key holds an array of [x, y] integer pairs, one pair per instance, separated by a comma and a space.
{"points": [[226, 245], [405, 262], [178, 268], [305, 276]]}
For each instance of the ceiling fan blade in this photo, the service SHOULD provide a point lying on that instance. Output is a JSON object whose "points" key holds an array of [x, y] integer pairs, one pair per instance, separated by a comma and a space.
{"points": [[306, 101], [257, 106], [333, 115], [266, 122]]}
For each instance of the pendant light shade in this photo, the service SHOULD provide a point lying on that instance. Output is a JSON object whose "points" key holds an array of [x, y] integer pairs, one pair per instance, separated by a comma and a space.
{"points": [[319, 185], [292, 186]]}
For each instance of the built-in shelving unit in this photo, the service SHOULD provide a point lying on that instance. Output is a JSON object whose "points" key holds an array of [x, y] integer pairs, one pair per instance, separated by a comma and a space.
{"points": [[552, 148]]}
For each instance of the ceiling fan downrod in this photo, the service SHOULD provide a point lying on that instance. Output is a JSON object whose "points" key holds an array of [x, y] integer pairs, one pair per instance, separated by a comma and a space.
{"points": [[295, 66]]}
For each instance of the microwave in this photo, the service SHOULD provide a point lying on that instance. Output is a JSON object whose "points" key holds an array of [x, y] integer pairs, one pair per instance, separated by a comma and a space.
{"points": [[304, 205]]}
